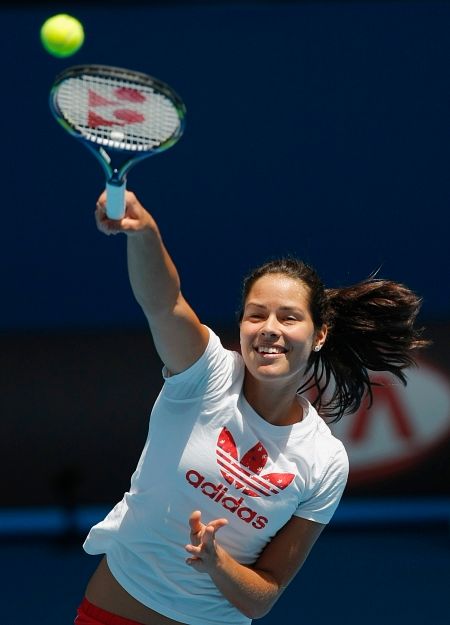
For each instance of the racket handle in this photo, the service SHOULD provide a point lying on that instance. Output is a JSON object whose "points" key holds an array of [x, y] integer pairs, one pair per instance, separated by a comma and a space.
{"points": [[115, 200]]}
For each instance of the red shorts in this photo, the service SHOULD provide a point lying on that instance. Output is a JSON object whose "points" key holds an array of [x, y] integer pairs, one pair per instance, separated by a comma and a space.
{"points": [[89, 614]]}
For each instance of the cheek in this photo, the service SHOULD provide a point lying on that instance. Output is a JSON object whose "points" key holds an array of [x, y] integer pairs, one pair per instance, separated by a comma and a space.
{"points": [[246, 339], [305, 338], [241, 337], [245, 332]]}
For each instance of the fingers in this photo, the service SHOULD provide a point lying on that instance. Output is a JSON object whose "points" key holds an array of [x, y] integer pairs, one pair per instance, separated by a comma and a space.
{"points": [[202, 536], [196, 525], [195, 522], [203, 554], [135, 219], [205, 540], [217, 524], [104, 224]]}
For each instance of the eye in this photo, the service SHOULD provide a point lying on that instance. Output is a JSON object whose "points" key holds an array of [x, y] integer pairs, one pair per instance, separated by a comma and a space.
{"points": [[252, 315]]}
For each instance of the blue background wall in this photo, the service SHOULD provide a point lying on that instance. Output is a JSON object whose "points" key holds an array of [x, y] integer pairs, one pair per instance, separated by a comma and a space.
{"points": [[318, 129]]}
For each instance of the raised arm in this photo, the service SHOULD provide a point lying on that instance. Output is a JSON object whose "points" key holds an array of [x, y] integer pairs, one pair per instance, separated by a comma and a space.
{"points": [[179, 337]]}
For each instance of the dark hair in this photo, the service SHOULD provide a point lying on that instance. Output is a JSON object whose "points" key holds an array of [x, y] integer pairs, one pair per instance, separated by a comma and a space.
{"points": [[370, 328]]}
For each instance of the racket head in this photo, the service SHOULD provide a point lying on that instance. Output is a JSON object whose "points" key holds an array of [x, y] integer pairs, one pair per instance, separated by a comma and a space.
{"points": [[117, 110]]}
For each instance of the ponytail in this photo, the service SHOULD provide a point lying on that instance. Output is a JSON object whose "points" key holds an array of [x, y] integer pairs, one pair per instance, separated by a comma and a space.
{"points": [[371, 327]]}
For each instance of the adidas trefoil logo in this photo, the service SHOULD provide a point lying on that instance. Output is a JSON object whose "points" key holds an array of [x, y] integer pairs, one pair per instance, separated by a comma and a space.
{"points": [[246, 473]]}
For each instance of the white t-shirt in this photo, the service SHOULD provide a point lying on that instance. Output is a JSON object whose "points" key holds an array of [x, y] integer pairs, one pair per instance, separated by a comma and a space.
{"points": [[208, 450]]}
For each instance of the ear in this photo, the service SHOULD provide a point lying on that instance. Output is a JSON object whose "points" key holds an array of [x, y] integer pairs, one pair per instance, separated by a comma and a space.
{"points": [[320, 337]]}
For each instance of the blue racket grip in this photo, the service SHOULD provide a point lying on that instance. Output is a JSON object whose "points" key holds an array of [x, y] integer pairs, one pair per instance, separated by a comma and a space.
{"points": [[115, 200]]}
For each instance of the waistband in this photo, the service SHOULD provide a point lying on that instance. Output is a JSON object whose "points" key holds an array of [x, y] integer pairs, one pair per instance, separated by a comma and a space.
{"points": [[90, 614]]}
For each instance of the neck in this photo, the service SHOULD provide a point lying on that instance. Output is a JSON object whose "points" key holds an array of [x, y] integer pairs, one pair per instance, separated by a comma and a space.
{"points": [[277, 405]]}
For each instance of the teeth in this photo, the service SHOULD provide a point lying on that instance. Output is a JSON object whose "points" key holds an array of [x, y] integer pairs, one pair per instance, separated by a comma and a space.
{"points": [[270, 350]]}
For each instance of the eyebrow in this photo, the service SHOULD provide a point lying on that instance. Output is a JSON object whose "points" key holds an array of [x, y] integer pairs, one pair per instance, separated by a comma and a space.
{"points": [[284, 308]]}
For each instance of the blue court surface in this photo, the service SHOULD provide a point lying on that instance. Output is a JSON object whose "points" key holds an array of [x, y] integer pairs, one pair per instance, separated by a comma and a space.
{"points": [[376, 564]]}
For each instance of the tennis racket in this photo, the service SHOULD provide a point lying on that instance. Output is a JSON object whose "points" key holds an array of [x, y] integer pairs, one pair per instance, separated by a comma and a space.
{"points": [[122, 116]]}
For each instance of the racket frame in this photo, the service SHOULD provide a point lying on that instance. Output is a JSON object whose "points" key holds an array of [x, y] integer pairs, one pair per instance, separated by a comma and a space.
{"points": [[114, 161]]}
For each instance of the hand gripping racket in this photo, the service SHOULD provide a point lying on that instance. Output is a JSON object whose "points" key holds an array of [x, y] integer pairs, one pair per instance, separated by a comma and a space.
{"points": [[121, 115]]}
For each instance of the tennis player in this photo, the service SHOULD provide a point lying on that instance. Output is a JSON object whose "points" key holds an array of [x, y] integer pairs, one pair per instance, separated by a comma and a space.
{"points": [[240, 472]]}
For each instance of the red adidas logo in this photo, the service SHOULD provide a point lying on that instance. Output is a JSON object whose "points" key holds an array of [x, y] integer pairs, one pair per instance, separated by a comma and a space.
{"points": [[246, 473]]}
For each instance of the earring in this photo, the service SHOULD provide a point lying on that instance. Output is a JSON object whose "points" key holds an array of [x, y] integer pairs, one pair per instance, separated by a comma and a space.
{"points": [[317, 348]]}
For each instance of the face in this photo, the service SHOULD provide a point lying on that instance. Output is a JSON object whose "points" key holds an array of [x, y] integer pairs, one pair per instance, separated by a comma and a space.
{"points": [[277, 331]]}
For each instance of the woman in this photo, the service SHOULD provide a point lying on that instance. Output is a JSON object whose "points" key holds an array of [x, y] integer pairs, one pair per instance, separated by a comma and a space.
{"points": [[238, 464]]}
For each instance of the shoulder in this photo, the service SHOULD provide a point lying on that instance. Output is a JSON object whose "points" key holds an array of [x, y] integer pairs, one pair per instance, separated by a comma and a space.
{"points": [[212, 372], [317, 424], [327, 453]]}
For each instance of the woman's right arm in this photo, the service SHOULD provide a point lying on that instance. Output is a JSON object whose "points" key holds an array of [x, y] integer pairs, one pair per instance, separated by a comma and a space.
{"points": [[180, 339]]}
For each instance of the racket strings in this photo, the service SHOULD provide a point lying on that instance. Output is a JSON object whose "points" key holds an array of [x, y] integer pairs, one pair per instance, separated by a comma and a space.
{"points": [[118, 113]]}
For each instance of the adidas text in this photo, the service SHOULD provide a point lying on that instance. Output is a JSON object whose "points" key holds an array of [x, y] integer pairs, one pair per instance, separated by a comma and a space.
{"points": [[217, 492]]}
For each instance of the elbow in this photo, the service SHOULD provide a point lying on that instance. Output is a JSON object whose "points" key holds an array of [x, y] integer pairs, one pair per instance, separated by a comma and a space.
{"points": [[258, 609]]}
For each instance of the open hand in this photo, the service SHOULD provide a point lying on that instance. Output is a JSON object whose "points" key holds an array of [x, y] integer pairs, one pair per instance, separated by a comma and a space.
{"points": [[203, 547]]}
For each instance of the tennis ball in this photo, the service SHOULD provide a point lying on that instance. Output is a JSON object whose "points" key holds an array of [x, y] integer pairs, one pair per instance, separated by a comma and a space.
{"points": [[62, 35]]}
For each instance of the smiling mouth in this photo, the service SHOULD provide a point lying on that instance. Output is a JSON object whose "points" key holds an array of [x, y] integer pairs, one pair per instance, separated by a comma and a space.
{"points": [[274, 349]]}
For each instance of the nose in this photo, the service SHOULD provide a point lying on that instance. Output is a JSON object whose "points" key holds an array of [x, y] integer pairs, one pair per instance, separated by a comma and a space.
{"points": [[270, 328]]}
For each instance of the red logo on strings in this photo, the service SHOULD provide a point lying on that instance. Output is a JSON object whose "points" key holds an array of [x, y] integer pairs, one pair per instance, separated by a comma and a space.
{"points": [[122, 116]]}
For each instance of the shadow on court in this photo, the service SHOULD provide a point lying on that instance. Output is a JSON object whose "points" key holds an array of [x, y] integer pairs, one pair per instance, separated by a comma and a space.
{"points": [[373, 576]]}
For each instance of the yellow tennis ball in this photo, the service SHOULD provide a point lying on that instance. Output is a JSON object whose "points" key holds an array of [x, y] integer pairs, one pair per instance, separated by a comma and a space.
{"points": [[62, 35]]}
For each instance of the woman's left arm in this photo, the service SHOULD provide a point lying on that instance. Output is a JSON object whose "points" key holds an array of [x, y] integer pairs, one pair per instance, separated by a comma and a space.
{"points": [[252, 589]]}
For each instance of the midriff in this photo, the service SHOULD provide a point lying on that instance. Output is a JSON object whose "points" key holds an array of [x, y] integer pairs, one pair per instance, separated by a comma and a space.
{"points": [[104, 591]]}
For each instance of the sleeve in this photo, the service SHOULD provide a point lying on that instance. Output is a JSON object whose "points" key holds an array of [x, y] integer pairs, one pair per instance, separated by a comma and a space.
{"points": [[210, 374], [324, 500]]}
